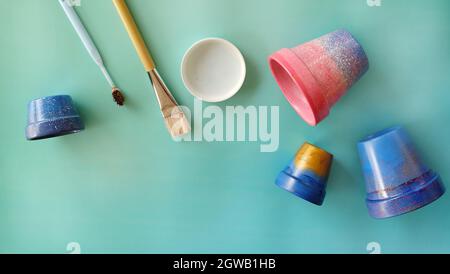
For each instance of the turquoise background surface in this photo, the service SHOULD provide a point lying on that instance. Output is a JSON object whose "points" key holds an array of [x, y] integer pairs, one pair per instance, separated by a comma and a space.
{"points": [[123, 185]]}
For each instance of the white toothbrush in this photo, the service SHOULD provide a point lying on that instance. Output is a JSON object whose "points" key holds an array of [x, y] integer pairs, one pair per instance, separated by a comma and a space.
{"points": [[91, 48]]}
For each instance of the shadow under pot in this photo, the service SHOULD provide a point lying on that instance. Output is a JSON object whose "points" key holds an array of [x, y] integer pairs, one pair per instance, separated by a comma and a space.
{"points": [[52, 116]]}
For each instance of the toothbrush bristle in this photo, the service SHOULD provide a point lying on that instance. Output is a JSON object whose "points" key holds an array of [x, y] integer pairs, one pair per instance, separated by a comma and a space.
{"points": [[118, 96]]}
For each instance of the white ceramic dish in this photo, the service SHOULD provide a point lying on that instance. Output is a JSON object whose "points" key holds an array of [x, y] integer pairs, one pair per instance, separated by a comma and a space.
{"points": [[213, 70]]}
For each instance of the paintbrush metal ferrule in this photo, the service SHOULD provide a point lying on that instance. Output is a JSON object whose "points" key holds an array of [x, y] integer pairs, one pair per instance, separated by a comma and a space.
{"points": [[174, 117]]}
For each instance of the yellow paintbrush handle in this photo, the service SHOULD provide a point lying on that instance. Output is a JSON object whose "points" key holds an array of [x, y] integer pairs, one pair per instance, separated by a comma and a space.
{"points": [[135, 35]]}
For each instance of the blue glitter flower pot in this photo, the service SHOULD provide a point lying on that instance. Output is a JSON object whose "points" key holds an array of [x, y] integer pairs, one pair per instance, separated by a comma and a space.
{"points": [[397, 181], [52, 116], [307, 174]]}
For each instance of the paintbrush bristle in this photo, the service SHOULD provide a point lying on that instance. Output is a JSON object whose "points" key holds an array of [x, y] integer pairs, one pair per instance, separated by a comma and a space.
{"points": [[176, 122], [118, 96]]}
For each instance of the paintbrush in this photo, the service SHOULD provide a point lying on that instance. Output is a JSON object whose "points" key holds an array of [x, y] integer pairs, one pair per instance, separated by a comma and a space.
{"points": [[173, 115], [91, 48]]}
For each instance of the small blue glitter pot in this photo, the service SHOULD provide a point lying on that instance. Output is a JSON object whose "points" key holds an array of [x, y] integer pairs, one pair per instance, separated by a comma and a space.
{"points": [[307, 175], [52, 116], [397, 181]]}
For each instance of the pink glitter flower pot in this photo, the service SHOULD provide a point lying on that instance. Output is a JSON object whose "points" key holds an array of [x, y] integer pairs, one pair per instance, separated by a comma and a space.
{"points": [[315, 75]]}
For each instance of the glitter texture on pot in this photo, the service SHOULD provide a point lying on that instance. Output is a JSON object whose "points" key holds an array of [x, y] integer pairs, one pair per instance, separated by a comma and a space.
{"points": [[315, 75]]}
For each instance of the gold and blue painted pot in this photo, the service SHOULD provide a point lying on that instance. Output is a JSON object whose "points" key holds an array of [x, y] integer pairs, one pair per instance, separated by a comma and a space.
{"points": [[52, 116], [397, 181], [307, 174]]}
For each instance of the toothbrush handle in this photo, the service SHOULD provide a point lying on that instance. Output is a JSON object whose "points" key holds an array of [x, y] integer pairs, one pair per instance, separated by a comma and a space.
{"points": [[135, 35], [82, 32]]}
